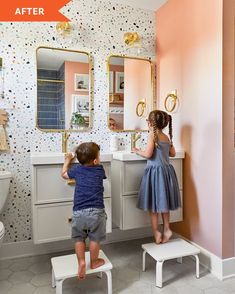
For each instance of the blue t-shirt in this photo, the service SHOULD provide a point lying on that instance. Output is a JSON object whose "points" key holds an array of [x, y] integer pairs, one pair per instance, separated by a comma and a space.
{"points": [[89, 187]]}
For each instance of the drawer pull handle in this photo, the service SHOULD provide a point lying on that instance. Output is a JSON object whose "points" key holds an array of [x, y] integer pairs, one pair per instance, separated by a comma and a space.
{"points": [[69, 220], [71, 182]]}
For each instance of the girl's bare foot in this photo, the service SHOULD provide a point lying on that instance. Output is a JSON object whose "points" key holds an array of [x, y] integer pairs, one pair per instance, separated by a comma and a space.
{"points": [[166, 236], [97, 263], [82, 270], [158, 237]]}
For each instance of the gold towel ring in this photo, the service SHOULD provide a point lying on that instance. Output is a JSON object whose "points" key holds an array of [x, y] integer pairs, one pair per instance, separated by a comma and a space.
{"points": [[140, 108], [173, 99]]}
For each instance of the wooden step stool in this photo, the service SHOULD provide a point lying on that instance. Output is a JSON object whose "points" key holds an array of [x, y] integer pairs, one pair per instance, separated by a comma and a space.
{"points": [[65, 267], [175, 248]]}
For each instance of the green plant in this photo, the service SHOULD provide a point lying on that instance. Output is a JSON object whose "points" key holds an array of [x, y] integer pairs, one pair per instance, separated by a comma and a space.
{"points": [[77, 119]]}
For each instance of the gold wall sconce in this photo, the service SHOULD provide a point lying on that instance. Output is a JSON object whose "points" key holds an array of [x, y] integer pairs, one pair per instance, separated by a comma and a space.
{"points": [[131, 38], [140, 108], [134, 43], [64, 28], [171, 101]]}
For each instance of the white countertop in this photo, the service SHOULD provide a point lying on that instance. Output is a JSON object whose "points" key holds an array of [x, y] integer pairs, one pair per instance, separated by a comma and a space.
{"points": [[130, 156], [58, 157]]}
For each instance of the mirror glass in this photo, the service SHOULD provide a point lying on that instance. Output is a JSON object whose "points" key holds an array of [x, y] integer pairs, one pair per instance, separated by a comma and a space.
{"points": [[130, 93], [63, 90]]}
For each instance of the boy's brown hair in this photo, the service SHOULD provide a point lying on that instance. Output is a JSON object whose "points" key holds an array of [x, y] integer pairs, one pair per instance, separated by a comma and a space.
{"points": [[87, 152]]}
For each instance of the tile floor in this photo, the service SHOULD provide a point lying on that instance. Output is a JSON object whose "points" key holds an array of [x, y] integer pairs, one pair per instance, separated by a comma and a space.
{"points": [[33, 275]]}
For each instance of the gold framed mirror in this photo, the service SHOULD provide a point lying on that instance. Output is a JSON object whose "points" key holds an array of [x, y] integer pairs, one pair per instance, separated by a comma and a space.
{"points": [[131, 92], [63, 90]]}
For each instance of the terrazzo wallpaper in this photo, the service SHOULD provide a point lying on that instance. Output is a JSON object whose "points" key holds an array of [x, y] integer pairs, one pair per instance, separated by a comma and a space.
{"points": [[99, 30]]}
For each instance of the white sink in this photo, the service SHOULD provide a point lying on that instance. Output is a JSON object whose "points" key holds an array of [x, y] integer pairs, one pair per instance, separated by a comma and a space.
{"points": [[130, 156], [58, 157]]}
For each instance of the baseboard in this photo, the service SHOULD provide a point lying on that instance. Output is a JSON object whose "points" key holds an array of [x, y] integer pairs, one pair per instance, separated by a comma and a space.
{"points": [[221, 268], [28, 248]]}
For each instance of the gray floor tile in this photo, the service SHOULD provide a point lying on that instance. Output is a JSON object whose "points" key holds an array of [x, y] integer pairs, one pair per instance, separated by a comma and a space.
{"points": [[4, 286], [41, 279], [4, 274], [33, 275], [22, 289], [21, 277]]}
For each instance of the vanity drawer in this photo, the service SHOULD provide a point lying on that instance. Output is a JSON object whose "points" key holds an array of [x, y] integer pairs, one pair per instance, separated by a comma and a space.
{"points": [[133, 173], [52, 221], [134, 217], [51, 187]]}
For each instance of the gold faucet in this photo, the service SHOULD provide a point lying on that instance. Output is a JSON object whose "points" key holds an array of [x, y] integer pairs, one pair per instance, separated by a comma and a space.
{"points": [[65, 137], [134, 138]]}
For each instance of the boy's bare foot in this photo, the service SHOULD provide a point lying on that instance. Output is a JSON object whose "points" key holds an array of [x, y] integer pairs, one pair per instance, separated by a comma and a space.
{"points": [[97, 263], [158, 237], [82, 270], [167, 235]]}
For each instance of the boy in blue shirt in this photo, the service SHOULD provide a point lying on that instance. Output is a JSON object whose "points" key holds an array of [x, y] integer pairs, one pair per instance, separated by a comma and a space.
{"points": [[89, 217]]}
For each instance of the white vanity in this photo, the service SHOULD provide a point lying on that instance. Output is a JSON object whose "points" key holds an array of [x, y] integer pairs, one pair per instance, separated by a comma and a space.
{"points": [[52, 197], [126, 173]]}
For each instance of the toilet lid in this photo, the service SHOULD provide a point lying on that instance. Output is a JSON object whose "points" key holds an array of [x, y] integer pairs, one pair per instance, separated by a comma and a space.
{"points": [[1, 229]]}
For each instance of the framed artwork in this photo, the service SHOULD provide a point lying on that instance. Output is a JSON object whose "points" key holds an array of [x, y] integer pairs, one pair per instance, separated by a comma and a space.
{"points": [[80, 104], [119, 85], [111, 82], [81, 82]]}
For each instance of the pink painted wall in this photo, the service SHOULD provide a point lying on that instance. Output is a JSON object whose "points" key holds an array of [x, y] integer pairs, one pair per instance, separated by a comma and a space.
{"points": [[138, 86], [228, 130], [70, 69], [189, 55]]}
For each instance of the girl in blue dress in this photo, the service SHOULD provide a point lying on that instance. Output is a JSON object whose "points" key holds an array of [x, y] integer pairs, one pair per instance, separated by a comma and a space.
{"points": [[159, 190]]}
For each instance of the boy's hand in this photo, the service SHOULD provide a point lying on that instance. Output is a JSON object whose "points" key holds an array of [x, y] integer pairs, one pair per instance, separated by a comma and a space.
{"points": [[69, 157]]}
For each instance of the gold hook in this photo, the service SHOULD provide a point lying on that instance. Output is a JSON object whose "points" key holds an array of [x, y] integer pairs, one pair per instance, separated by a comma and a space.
{"points": [[140, 108], [173, 99]]}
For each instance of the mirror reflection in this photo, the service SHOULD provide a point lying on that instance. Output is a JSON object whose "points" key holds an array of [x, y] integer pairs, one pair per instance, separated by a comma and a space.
{"points": [[63, 89], [130, 93]]}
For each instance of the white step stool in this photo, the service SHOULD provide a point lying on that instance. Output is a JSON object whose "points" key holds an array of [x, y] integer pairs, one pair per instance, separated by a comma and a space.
{"points": [[175, 248], [65, 267]]}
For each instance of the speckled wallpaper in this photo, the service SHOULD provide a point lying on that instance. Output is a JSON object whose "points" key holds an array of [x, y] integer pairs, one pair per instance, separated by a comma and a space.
{"points": [[99, 30]]}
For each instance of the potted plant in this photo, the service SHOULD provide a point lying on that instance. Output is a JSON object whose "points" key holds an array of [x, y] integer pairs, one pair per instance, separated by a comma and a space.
{"points": [[77, 120]]}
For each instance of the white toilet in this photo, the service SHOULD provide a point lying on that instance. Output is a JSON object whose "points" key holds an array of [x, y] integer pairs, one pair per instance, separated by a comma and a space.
{"points": [[5, 178]]}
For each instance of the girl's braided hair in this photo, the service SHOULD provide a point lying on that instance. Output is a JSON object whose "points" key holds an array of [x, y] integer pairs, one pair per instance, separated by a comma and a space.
{"points": [[159, 120]]}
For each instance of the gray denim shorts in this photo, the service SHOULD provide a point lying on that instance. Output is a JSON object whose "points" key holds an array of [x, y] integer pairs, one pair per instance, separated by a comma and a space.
{"points": [[89, 222]]}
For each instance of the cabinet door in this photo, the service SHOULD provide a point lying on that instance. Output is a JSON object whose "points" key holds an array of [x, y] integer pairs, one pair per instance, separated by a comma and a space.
{"points": [[52, 221], [132, 175], [134, 217]]}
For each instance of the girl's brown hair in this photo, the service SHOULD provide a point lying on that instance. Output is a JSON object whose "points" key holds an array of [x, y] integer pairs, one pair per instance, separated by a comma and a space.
{"points": [[159, 120]]}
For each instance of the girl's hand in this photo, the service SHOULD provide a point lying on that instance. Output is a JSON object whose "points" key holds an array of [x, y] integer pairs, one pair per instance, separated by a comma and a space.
{"points": [[136, 150]]}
